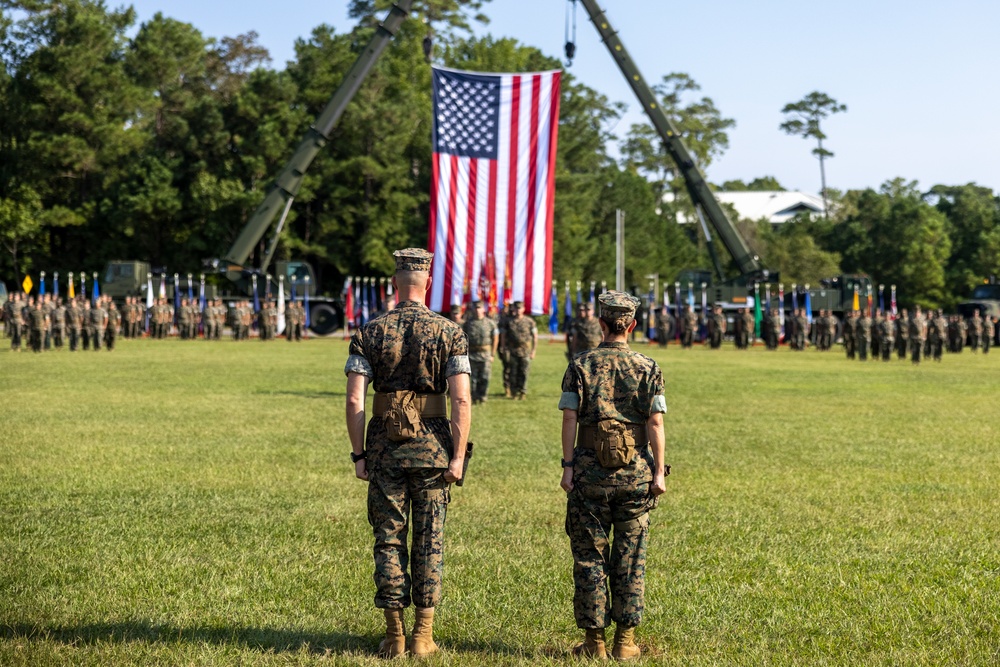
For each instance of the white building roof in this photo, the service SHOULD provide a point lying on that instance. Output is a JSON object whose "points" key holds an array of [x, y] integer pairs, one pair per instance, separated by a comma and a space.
{"points": [[774, 206]]}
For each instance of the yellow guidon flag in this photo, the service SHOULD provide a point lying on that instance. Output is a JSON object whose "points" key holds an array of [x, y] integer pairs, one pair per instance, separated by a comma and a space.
{"points": [[27, 284], [857, 306], [72, 294]]}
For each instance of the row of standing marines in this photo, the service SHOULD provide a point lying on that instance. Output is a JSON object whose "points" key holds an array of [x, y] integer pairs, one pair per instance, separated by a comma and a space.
{"points": [[411, 452], [46, 321], [863, 336]]}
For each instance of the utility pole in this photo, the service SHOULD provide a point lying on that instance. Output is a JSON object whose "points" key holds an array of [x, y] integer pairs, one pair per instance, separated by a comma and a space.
{"points": [[619, 249]]}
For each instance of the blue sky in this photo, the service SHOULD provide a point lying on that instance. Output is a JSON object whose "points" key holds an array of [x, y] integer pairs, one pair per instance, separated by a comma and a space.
{"points": [[919, 78]]}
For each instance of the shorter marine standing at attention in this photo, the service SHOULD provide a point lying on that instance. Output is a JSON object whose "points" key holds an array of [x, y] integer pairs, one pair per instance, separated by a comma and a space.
{"points": [[519, 338], [613, 472]]}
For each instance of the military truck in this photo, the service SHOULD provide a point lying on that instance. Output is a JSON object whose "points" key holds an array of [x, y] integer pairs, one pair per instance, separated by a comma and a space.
{"points": [[985, 298]]}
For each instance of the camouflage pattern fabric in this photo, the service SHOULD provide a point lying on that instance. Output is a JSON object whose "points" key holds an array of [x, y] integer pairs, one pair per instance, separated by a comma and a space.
{"points": [[601, 566], [409, 348], [610, 382], [480, 332], [392, 494], [586, 334], [520, 332]]}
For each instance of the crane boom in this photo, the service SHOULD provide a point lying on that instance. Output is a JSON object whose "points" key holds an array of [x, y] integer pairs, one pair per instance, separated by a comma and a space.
{"points": [[694, 180], [286, 185]]}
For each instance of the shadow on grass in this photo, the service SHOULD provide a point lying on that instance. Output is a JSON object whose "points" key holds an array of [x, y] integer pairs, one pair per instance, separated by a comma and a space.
{"points": [[300, 394], [261, 639]]}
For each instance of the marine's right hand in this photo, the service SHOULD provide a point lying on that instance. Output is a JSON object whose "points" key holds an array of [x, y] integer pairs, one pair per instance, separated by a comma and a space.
{"points": [[361, 470], [567, 480], [659, 485]]}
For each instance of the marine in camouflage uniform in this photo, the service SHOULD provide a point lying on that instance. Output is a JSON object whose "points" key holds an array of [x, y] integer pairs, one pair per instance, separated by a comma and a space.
{"points": [[689, 325], [584, 332], [902, 333], [611, 389], [801, 329], [887, 334], [716, 327], [748, 329], [38, 321], [114, 324], [520, 338], [665, 324], [939, 335], [863, 335], [918, 334], [409, 349], [483, 337], [975, 328], [989, 330], [57, 319]]}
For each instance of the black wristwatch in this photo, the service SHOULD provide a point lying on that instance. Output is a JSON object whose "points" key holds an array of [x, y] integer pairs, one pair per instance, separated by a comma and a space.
{"points": [[357, 457], [565, 463]]}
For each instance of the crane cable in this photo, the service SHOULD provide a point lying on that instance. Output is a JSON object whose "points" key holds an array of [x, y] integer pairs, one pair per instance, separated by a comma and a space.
{"points": [[570, 43]]}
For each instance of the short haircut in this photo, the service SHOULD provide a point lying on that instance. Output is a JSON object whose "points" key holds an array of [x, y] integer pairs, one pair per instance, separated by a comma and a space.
{"points": [[617, 326]]}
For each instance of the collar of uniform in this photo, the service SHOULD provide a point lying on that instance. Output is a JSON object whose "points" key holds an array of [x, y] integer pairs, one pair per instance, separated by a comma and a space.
{"points": [[616, 346], [410, 304]]}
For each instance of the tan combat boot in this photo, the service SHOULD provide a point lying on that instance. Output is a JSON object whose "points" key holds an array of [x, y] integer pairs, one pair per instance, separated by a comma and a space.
{"points": [[592, 645], [394, 644], [625, 647], [422, 641]]}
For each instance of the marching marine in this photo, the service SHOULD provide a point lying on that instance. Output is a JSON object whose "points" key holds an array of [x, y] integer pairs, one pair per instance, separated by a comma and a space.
{"points": [[519, 338], [584, 332], [483, 339]]}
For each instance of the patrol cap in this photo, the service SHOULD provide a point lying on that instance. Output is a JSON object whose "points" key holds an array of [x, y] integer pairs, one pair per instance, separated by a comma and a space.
{"points": [[413, 259], [518, 304], [618, 306], [476, 303], [456, 307]]}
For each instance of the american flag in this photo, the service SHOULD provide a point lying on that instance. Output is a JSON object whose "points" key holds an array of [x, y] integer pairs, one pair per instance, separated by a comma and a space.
{"points": [[493, 185]]}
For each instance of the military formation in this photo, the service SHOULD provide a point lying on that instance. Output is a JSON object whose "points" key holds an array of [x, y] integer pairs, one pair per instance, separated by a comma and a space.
{"points": [[46, 322], [880, 335]]}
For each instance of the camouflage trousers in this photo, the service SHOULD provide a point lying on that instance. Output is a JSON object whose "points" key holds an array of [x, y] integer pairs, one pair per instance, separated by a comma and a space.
{"points": [[479, 381], [600, 564], [394, 495], [519, 367]]}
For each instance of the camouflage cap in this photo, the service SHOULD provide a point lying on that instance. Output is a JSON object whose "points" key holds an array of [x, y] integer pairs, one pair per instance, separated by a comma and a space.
{"points": [[476, 303], [618, 306], [517, 304], [413, 259], [456, 308]]}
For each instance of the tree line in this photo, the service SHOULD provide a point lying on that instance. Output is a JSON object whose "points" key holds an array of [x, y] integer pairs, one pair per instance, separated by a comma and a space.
{"points": [[150, 141]]}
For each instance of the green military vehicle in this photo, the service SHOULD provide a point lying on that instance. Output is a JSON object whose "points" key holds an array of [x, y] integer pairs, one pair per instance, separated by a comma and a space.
{"points": [[985, 298]]}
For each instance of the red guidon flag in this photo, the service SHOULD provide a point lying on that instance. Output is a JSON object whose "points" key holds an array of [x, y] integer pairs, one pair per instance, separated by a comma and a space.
{"points": [[493, 185]]}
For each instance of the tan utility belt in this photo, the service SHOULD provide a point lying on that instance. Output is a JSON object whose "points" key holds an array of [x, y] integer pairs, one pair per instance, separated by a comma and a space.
{"points": [[586, 435], [481, 348], [429, 405]]}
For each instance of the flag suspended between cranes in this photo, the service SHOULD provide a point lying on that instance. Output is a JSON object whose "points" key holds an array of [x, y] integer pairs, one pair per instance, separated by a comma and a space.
{"points": [[493, 182]]}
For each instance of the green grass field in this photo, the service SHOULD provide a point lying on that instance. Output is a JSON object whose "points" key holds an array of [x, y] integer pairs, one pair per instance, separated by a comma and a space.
{"points": [[192, 503]]}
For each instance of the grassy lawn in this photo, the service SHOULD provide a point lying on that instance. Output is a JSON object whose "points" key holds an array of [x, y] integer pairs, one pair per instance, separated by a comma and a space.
{"points": [[192, 503]]}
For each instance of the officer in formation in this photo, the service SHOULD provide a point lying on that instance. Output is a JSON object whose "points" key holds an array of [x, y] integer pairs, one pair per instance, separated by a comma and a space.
{"points": [[519, 338], [613, 472], [483, 337], [295, 321], [411, 452], [863, 335], [745, 327], [584, 332], [666, 326], [887, 337], [716, 328], [917, 328], [771, 329], [851, 333], [801, 335], [689, 325]]}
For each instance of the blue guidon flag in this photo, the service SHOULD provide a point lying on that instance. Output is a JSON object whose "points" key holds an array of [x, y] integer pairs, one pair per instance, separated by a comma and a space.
{"points": [[493, 181]]}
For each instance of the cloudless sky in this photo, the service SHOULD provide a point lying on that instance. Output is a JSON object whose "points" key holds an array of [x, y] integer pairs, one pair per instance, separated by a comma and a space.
{"points": [[919, 77]]}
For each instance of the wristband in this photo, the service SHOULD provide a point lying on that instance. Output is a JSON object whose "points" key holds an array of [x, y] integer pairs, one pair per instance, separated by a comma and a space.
{"points": [[357, 457], [565, 463]]}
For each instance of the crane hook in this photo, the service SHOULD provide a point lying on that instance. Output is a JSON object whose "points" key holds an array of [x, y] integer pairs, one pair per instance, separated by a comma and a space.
{"points": [[570, 40]]}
